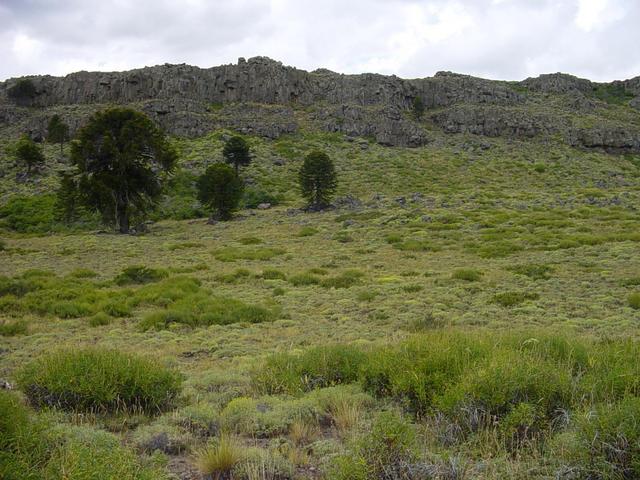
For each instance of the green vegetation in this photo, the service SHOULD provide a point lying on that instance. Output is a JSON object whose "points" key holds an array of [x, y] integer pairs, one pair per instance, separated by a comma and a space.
{"points": [[318, 181], [236, 152], [95, 380], [57, 132], [220, 189], [125, 182], [28, 153], [23, 91]]}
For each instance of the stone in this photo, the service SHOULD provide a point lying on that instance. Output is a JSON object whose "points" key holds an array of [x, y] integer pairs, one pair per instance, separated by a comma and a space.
{"points": [[264, 206]]}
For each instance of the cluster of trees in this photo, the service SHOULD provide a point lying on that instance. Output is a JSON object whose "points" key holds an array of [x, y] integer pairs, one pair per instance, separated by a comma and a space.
{"points": [[122, 160]]}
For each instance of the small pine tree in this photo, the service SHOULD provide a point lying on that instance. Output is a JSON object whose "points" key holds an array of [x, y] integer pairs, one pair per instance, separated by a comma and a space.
{"points": [[418, 107], [22, 92], [236, 152], [28, 153], [317, 179], [57, 132], [67, 199], [220, 189]]}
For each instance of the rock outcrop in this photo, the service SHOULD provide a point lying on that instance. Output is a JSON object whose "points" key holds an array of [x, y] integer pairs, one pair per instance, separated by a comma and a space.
{"points": [[263, 97]]}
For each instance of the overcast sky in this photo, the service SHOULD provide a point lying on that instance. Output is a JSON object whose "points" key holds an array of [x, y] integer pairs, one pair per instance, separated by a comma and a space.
{"points": [[501, 39]]}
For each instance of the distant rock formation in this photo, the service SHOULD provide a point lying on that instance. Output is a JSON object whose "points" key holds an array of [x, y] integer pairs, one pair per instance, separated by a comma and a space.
{"points": [[261, 96]]}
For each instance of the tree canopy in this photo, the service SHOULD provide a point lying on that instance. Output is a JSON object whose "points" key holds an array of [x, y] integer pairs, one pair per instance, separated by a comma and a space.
{"points": [[220, 189], [236, 152], [28, 153], [22, 92], [121, 156], [317, 179], [57, 131]]}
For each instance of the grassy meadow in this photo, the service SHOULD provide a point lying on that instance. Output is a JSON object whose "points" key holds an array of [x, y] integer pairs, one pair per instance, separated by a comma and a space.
{"points": [[469, 309]]}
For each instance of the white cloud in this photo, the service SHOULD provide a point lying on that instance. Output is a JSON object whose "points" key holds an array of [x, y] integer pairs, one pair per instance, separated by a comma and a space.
{"points": [[507, 39]]}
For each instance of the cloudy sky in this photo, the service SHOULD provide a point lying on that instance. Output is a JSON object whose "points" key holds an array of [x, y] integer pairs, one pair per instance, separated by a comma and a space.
{"points": [[501, 39]]}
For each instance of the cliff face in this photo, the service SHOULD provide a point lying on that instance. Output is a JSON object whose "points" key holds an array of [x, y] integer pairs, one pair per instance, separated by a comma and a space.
{"points": [[261, 96]]}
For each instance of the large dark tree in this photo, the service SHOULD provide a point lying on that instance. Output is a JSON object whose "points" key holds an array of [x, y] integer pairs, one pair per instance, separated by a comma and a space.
{"points": [[318, 180], [57, 132], [28, 153], [220, 189], [236, 152], [22, 92], [121, 157]]}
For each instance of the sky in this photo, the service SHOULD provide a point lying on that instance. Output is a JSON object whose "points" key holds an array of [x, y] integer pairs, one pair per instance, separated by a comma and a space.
{"points": [[498, 39]]}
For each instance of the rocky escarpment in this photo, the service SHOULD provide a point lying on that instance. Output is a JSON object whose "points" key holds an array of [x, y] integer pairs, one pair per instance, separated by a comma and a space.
{"points": [[261, 96]]}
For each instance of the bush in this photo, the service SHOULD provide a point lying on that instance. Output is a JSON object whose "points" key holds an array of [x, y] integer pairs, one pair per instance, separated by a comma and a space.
{"points": [[533, 270], [346, 279], [250, 241], [384, 453], [304, 279], [468, 275], [511, 299], [273, 274], [220, 190], [16, 327], [139, 274], [254, 196], [231, 254], [307, 232], [634, 301], [318, 367], [100, 319], [29, 214], [98, 380], [3, 245], [610, 440], [219, 458]]}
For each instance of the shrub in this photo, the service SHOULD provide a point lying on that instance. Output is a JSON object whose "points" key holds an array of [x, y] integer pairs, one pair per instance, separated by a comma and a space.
{"points": [[28, 153], [250, 241], [140, 274], [610, 440], [307, 232], [389, 448], [273, 274], [99, 380], [100, 319], [234, 277], [413, 288], [231, 254], [634, 301], [304, 279], [346, 279], [3, 245], [23, 91], [29, 214], [219, 458], [16, 327], [511, 299], [415, 245], [468, 275], [254, 196], [201, 309], [318, 367], [498, 249], [533, 270]]}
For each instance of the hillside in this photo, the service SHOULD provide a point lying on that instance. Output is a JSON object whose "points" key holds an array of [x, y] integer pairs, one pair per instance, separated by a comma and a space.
{"points": [[464, 310]]}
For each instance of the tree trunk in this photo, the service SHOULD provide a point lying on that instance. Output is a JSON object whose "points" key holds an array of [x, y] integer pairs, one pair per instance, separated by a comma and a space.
{"points": [[123, 219]]}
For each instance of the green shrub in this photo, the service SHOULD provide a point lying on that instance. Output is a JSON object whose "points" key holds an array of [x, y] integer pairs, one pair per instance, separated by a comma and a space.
{"points": [[393, 238], [254, 196], [29, 214], [366, 296], [307, 232], [412, 288], [234, 277], [610, 440], [631, 282], [250, 241], [273, 274], [12, 328], [100, 319], [346, 279], [231, 254], [415, 245], [390, 447], [304, 279], [540, 167], [99, 380], [218, 459], [634, 301], [498, 249], [201, 309], [533, 270], [139, 274], [468, 275], [318, 367], [511, 299], [3, 245]]}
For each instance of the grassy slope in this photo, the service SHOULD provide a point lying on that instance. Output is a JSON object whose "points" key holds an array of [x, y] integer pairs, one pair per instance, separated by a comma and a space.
{"points": [[489, 209]]}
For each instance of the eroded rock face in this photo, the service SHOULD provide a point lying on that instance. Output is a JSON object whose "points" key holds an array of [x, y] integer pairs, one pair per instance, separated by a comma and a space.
{"points": [[260, 96]]}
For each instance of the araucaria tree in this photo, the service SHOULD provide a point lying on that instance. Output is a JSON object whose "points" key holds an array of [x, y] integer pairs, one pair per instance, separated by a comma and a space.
{"points": [[57, 132], [121, 157], [28, 153], [236, 152], [220, 189], [318, 180]]}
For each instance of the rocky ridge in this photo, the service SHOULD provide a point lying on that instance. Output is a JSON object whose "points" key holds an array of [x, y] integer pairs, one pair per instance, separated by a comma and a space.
{"points": [[263, 97]]}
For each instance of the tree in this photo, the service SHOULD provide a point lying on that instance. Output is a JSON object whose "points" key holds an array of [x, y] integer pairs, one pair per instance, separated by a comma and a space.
{"points": [[418, 107], [121, 157], [220, 189], [318, 180], [28, 152], [57, 132], [236, 152], [22, 92]]}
